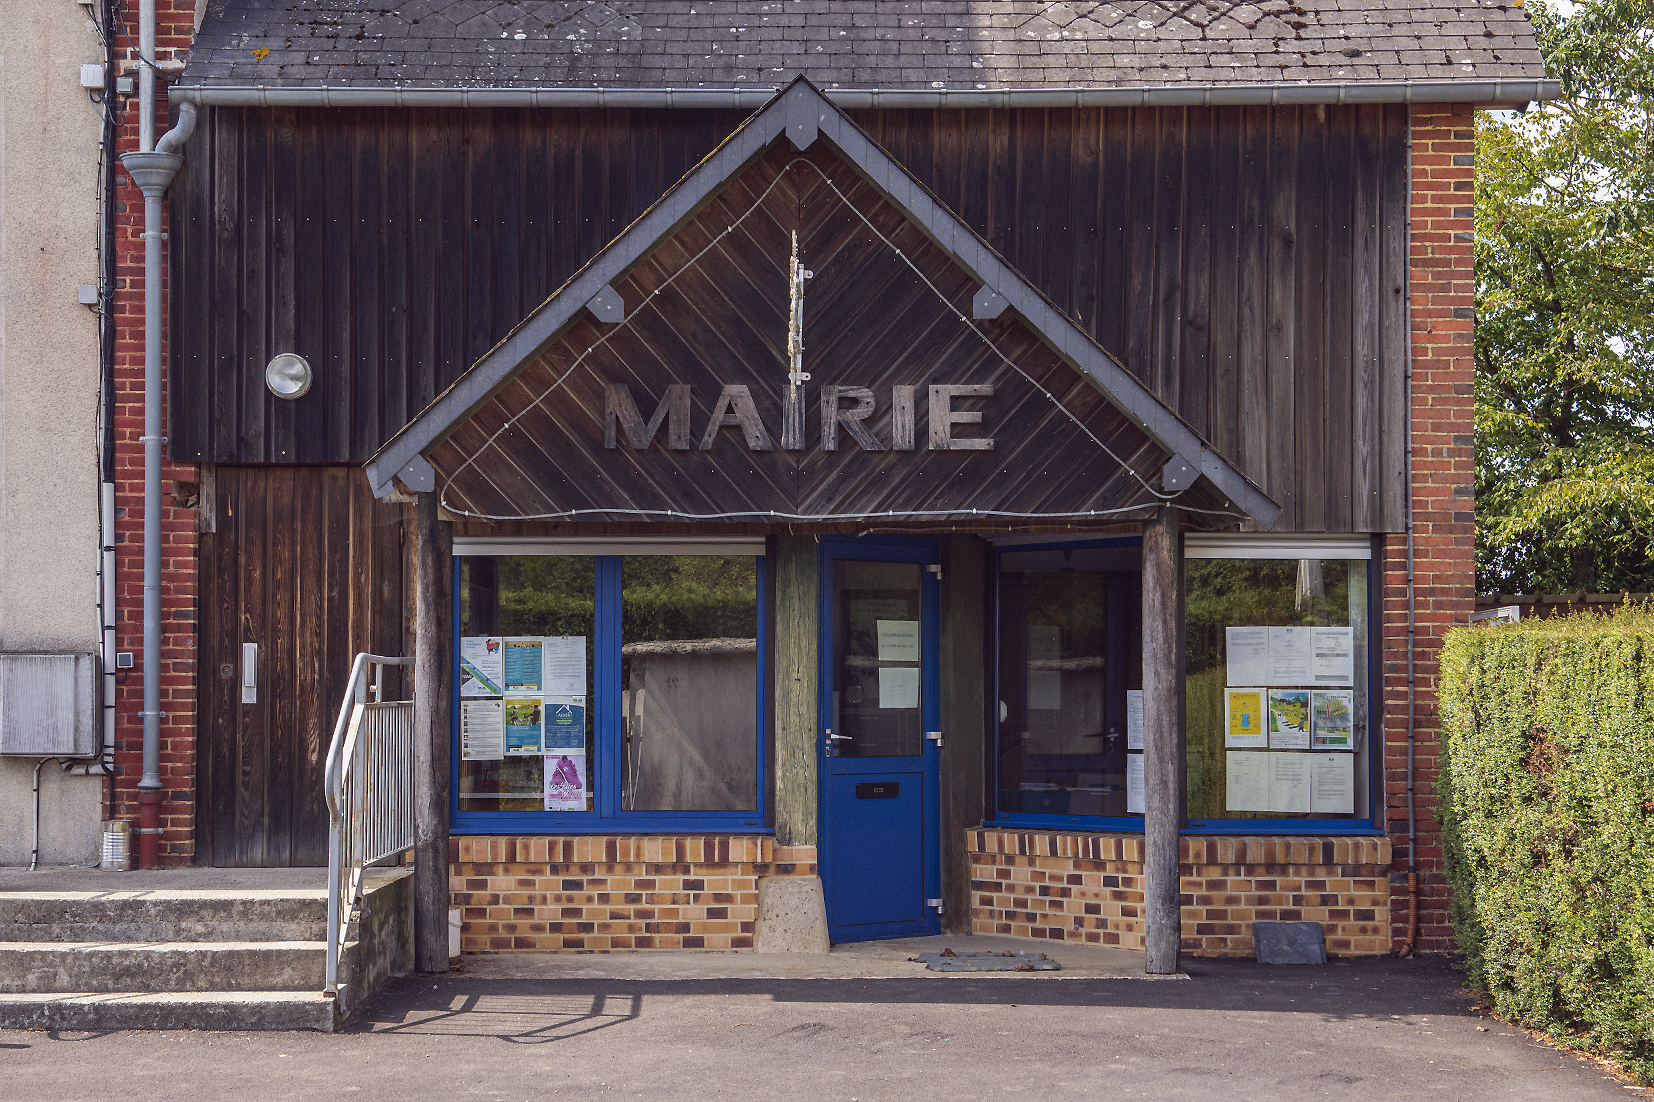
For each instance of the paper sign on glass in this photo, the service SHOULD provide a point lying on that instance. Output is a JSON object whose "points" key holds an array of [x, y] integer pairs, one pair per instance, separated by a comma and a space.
{"points": [[898, 640], [1331, 783], [1289, 783], [899, 687], [1134, 719], [1333, 718], [1134, 784], [481, 730], [1291, 655], [565, 723], [564, 665], [1248, 651], [566, 781], [1334, 662], [522, 726], [1289, 719], [481, 666], [1246, 781], [1246, 724], [522, 665]]}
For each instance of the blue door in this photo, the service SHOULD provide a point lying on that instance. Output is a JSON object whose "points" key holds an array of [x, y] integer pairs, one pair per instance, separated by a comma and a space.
{"points": [[879, 743]]}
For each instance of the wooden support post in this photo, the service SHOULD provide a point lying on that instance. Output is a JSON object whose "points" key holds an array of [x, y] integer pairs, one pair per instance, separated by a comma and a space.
{"points": [[964, 713], [432, 674], [1162, 743]]}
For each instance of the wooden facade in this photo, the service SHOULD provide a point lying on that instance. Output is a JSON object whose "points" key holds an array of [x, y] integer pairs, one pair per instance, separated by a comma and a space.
{"points": [[1247, 264]]}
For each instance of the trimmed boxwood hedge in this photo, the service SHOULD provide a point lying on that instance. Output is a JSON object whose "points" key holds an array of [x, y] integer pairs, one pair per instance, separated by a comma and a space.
{"points": [[1546, 802]]}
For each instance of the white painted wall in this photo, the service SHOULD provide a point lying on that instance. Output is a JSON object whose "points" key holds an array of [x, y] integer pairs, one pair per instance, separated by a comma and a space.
{"points": [[49, 377]]}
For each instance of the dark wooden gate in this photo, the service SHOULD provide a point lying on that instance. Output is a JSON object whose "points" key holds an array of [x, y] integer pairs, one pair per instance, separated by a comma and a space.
{"points": [[305, 563]]}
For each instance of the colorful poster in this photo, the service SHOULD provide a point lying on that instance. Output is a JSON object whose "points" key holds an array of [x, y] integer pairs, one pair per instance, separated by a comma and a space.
{"points": [[1289, 719], [521, 665], [1134, 719], [522, 726], [565, 723], [481, 730], [1246, 726], [564, 665], [899, 687], [1134, 784], [566, 781], [481, 666], [1334, 658], [1332, 783], [1333, 719], [1291, 656], [898, 640], [1248, 651]]}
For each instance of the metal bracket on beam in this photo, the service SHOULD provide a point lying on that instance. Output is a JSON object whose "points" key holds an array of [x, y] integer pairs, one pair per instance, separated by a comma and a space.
{"points": [[418, 476], [1179, 474], [987, 304], [607, 306]]}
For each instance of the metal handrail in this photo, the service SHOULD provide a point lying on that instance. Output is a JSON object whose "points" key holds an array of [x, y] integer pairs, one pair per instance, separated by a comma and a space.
{"points": [[368, 784]]}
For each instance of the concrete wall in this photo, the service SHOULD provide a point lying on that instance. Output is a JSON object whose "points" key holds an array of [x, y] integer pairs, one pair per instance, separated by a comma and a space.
{"points": [[49, 136]]}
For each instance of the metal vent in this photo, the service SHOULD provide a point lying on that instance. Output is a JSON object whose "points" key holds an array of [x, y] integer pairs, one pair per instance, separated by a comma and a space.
{"points": [[46, 705]]}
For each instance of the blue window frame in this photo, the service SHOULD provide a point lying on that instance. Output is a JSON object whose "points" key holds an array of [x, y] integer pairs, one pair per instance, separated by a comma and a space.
{"points": [[609, 717]]}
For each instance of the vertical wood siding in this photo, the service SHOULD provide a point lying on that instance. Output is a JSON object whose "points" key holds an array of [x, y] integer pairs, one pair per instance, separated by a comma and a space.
{"points": [[1248, 264]]}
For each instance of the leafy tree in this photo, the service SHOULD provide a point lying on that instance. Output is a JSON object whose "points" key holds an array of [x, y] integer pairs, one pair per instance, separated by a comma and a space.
{"points": [[1565, 315]]}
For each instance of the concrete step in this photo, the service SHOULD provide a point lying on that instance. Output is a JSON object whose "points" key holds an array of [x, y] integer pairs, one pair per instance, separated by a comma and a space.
{"points": [[166, 915], [44, 967], [220, 1010]]}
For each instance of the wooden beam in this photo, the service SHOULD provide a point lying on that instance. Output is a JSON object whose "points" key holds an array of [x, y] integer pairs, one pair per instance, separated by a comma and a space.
{"points": [[431, 737], [796, 620], [964, 717], [1162, 743]]}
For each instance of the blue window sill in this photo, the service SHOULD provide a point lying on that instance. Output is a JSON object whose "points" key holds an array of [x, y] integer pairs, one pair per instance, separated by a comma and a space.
{"points": [[539, 822], [1112, 825]]}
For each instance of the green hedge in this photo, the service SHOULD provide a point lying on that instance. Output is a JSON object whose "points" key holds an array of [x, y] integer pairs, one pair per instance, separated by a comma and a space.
{"points": [[1547, 812]]}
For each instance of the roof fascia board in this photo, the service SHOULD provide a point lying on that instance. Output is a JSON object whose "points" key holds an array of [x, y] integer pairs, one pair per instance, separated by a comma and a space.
{"points": [[1490, 93]]}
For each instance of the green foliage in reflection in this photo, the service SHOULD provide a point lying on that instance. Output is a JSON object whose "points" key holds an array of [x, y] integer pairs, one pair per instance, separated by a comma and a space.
{"points": [[1224, 593], [1546, 801], [689, 597], [546, 595]]}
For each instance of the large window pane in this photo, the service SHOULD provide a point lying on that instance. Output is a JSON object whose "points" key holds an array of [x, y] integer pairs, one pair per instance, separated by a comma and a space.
{"points": [[689, 683], [1277, 688], [878, 689], [1070, 681]]}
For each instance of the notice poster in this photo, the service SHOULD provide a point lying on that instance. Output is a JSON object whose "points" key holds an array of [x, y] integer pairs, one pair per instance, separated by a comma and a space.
{"points": [[1333, 719], [564, 721], [1134, 784], [1134, 719], [1245, 726], [1331, 783], [899, 687], [481, 730], [522, 726], [1334, 658], [521, 665], [1289, 719], [1289, 783], [1248, 651], [481, 665], [898, 640], [1246, 781], [564, 665], [566, 781], [1291, 656]]}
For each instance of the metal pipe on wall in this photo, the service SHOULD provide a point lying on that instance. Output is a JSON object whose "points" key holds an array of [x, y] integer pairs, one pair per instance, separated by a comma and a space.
{"points": [[1412, 611]]}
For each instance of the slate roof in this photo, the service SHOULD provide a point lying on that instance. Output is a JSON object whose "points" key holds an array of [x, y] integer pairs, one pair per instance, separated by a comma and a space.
{"points": [[887, 44]]}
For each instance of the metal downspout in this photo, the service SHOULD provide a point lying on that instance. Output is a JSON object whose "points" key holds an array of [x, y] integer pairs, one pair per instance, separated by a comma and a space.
{"points": [[1408, 945]]}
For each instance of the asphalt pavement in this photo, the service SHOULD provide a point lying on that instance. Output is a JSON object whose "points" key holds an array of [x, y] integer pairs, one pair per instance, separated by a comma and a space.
{"points": [[1366, 1029]]}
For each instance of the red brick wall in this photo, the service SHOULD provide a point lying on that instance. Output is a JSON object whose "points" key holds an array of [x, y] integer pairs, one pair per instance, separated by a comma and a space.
{"points": [[175, 26], [1442, 296]]}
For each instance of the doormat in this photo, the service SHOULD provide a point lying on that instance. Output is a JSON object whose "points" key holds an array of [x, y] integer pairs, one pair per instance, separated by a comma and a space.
{"points": [[949, 961]]}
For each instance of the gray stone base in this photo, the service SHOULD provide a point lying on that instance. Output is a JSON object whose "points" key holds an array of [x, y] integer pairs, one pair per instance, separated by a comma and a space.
{"points": [[792, 915], [1289, 943]]}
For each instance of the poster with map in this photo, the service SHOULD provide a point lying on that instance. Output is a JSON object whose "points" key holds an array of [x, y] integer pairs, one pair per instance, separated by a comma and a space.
{"points": [[1289, 719]]}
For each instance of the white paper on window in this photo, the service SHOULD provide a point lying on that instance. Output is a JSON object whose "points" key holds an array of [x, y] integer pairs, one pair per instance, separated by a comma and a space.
{"points": [[1248, 651], [1334, 655], [1289, 783], [899, 687], [1134, 719], [898, 640], [1134, 784], [1332, 784], [565, 664], [1246, 781], [482, 730], [1291, 656]]}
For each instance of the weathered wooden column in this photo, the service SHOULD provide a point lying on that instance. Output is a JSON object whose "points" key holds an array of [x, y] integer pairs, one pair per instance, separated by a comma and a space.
{"points": [[792, 911], [1162, 743], [964, 710], [433, 574]]}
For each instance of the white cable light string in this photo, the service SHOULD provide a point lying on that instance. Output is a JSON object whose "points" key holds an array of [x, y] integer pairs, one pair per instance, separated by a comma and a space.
{"points": [[821, 517]]}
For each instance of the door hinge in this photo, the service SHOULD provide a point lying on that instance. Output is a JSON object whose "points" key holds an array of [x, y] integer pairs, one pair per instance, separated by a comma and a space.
{"points": [[936, 737], [935, 568], [937, 903]]}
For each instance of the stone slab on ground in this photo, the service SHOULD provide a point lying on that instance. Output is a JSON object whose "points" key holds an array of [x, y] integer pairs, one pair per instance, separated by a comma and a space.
{"points": [[1289, 943]]}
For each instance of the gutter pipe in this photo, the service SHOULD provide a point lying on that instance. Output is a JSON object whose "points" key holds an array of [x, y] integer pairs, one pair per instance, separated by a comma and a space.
{"points": [[1480, 92], [152, 169], [1408, 946]]}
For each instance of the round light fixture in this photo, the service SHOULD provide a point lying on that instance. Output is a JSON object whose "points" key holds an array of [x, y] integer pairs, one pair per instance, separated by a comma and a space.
{"points": [[288, 376]]}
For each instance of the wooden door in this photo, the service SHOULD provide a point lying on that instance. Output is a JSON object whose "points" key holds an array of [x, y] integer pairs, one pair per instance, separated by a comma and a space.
{"points": [[304, 563]]}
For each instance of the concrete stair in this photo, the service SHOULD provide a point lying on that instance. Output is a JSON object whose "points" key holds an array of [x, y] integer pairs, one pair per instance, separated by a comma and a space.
{"points": [[238, 959]]}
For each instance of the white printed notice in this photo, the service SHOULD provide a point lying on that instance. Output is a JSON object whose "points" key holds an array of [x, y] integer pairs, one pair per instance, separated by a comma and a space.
{"points": [[564, 665], [1334, 662], [1246, 781], [481, 730], [1248, 651], [1331, 783], [1291, 655], [1134, 784], [1134, 719], [899, 687], [566, 781], [1289, 782], [481, 665], [898, 640]]}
